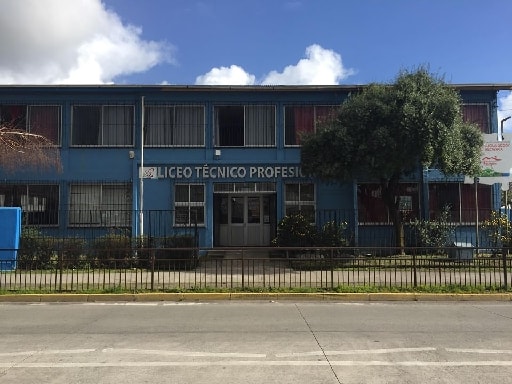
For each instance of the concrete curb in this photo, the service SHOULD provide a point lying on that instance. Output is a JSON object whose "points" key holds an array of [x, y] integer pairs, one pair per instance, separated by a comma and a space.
{"points": [[202, 297]]}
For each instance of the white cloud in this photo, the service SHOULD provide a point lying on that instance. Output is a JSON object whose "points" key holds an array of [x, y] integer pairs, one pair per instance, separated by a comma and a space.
{"points": [[70, 42], [233, 75], [505, 110], [320, 67]]}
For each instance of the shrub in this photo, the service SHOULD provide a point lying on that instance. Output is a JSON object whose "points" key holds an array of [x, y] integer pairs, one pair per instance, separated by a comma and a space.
{"points": [[35, 250], [499, 229], [112, 250], [72, 250], [295, 231], [166, 256], [434, 235]]}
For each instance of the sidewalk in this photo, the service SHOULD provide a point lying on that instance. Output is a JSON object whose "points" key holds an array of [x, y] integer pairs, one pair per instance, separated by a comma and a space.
{"points": [[202, 297]]}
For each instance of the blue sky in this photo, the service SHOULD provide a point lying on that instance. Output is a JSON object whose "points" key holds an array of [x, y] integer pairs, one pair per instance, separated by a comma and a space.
{"points": [[254, 41]]}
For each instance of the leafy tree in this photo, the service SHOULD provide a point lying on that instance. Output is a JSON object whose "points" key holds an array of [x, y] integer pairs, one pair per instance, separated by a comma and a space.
{"points": [[21, 149], [387, 131]]}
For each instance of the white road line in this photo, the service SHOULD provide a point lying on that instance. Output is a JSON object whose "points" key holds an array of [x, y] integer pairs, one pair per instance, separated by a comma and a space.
{"points": [[483, 351], [135, 364], [357, 352], [183, 353], [47, 352]]}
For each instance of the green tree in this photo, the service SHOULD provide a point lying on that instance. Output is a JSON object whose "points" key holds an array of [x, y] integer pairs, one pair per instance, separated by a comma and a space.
{"points": [[387, 131]]}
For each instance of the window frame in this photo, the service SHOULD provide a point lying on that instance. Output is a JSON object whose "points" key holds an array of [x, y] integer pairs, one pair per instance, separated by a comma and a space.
{"points": [[27, 119], [101, 208], [299, 202], [189, 204], [217, 137], [369, 198], [315, 120], [102, 124], [201, 128], [484, 129]]}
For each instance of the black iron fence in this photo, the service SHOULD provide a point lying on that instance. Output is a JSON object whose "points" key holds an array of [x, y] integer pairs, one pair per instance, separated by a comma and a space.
{"points": [[167, 269]]}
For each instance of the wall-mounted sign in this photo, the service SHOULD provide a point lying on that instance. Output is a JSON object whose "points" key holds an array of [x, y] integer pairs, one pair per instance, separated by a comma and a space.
{"points": [[220, 172], [495, 161]]}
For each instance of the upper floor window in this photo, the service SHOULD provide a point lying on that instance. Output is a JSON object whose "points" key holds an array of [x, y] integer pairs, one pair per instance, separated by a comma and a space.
{"points": [[300, 120], [107, 125], [477, 114], [39, 203], [249, 126], [180, 125], [44, 120]]}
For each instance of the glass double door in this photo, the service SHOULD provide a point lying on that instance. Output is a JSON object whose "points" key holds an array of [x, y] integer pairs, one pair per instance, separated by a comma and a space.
{"points": [[244, 220]]}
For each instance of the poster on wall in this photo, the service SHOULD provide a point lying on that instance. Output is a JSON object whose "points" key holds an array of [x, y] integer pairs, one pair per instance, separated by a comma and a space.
{"points": [[495, 162]]}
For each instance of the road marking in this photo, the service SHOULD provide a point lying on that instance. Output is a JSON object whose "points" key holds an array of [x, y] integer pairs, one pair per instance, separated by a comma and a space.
{"points": [[483, 351], [357, 352], [183, 353], [47, 352], [135, 364]]}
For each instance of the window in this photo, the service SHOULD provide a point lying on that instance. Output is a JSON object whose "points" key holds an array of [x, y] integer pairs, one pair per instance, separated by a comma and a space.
{"points": [[477, 114], [39, 203], [301, 120], [189, 204], [300, 199], [461, 200], [250, 126], [44, 120], [102, 126], [373, 210], [179, 125], [105, 205]]}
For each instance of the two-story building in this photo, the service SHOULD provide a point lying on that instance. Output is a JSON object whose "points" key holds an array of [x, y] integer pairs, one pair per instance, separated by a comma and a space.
{"points": [[223, 161]]}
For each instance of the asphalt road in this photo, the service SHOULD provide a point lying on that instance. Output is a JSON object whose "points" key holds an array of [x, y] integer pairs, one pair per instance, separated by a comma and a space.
{"points": [[256, 342]]}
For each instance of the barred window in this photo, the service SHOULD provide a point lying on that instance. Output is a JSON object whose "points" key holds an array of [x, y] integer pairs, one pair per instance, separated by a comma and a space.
{"points": [[189, 204], [105, 205], [300, 199], [249, 126], [300, 120], [44, 120], [178, 125], [373, 210], [39, 203], [461, 201], [107, 125]]}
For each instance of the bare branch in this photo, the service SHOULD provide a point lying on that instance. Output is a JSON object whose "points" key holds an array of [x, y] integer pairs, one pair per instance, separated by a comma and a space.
{"points": [[20, 149]]}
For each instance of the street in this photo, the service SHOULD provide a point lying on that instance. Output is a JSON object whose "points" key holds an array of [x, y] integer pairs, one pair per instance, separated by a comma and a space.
{"points": [[255, 342]]}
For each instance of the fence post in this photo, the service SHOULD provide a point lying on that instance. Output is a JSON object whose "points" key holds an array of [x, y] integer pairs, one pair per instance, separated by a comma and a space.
{"points": [[332, 269], [61, 268], [152, 261], [504, 251], [414, 277], [243, 274]]}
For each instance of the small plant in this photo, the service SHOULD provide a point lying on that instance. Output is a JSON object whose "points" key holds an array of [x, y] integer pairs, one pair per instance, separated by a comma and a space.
{"points": [[72, 249], [499, 229], [295, 231], [36, 250], [112, 250], [435, 235]]}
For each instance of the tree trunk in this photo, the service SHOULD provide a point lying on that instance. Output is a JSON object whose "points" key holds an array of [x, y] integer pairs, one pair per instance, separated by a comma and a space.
{"points": [[391, 197]]}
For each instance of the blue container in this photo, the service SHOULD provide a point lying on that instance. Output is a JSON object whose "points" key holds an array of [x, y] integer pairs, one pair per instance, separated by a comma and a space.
{"points": [[10, 231]]}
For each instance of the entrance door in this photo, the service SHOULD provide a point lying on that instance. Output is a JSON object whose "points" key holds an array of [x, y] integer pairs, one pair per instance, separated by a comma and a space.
{"points": [[248, 220]]}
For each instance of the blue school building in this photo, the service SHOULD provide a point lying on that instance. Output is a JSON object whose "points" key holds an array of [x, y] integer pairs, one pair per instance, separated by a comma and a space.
{"points": [[222, 161]]}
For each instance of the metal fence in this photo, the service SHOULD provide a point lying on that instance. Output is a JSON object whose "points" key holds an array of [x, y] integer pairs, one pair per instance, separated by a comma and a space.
{"points": [[173, 269]]}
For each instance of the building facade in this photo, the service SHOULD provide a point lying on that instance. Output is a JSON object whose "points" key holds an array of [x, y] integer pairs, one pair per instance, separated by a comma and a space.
{"points": [[221, 161]]}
